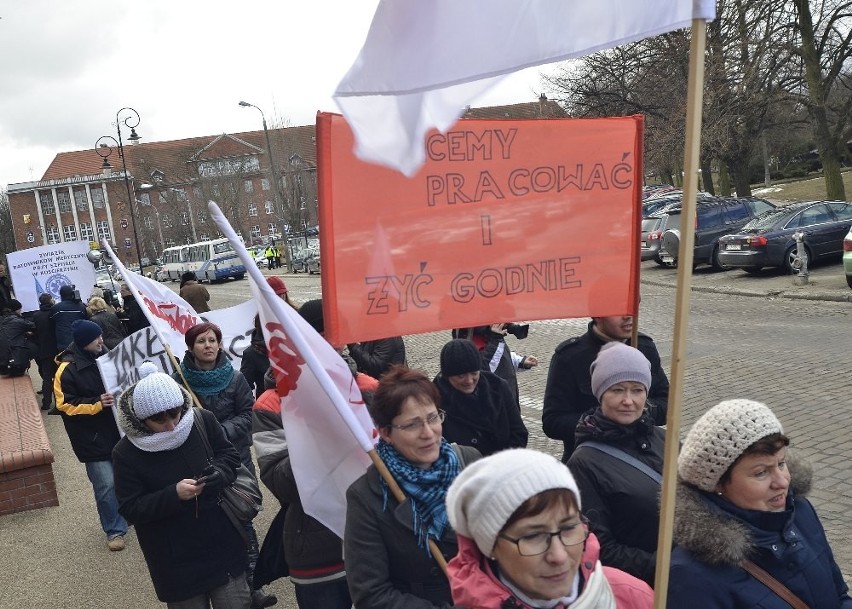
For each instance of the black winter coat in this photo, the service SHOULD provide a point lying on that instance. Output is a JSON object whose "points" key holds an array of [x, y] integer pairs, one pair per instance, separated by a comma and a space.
{"points": [[621, 503], [232, 407], [132, 315], [63, 314], [15, 343], [111, 326], [568, 393], [78, 387], [385, 567], [254, 364], [488, 419], [190, 546], [45, 333]]}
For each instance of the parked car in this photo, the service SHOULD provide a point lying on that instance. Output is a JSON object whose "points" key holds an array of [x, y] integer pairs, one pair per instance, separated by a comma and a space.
{"points": [[653, 228], [312, 263], [106, 282], [768, 239], [847, 257], [714, 217]]}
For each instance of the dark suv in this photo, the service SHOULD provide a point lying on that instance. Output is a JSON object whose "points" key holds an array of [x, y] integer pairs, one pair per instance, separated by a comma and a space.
{"points": [[714, 217]]}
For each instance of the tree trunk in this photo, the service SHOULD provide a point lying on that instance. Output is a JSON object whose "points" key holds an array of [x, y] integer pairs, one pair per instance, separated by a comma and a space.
{"points": [[739, 171], [767, 174], [724, 180], [707, 176], [826, 142]]}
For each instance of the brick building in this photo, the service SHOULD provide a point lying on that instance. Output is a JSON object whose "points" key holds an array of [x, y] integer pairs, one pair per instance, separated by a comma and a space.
{"points": [[78, 198]]}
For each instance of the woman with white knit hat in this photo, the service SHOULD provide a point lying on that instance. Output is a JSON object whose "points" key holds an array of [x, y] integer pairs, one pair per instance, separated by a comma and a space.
{"points": [[523, 542], [618, 461], [745, 536], [195, 555]]}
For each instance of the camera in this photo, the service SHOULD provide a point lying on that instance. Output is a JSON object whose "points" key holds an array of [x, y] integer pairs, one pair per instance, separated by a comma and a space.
{"points": [[76, 292], [519, 331]]}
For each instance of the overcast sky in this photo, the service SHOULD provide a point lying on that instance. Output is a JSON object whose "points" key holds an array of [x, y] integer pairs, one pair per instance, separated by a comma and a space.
{"points": [[67, 67]]}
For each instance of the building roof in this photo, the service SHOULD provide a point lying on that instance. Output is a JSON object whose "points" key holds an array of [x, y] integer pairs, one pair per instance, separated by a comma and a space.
{"points": [[543, 108]]}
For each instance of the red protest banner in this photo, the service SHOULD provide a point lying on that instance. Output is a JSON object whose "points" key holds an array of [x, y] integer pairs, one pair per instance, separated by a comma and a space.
{"points": [[508, 220]]}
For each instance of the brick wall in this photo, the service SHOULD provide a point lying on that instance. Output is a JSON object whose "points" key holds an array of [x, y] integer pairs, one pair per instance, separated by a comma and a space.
{"points": [[27, 489]]}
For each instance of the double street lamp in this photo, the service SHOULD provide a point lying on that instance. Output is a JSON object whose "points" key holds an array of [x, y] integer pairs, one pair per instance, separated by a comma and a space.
{"points": [[105, 145], [276, 191]]}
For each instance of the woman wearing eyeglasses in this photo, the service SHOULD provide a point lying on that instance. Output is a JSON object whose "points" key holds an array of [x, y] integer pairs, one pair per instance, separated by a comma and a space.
{"points": [[618, 462], [523, 542], [481, 409], [195, 555], [388, 561]]}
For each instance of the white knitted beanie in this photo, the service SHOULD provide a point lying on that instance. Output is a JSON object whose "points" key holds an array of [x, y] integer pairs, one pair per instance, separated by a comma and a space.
{"points": [[616, 363], [155, 392], [486, 493], [720, 436]]}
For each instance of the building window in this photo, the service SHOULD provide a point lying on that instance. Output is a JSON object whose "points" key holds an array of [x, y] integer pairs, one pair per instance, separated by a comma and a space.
{"points": [[98, 197], [46, 199], [248, 186], [221, 167], [215, 190], [167, 220], [147, 222], [161, 197], [180, 193], [64, 201], [70, 232], [184, 218], [52, 234], [170, 242], [252, 209], [202, 217], [145, 198], [271, 228], [103, 231], [187, 240], [264, 184], [269, 207], [86, 233], [196, 192], [255, 232], [203, 237], [157, 176], [81, 200]]}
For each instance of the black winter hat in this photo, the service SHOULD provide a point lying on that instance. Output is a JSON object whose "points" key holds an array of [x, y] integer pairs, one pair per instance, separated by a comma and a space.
{"points": [[85, 331], [66, 292], [311, 312], [459, 356]]}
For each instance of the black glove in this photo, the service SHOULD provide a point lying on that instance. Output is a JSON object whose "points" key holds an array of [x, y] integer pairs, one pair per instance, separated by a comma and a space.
{"points": [[213, 480]]}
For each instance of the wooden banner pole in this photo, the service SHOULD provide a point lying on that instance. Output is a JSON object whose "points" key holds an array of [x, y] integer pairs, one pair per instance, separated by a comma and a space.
{"points": [[694, 100]]}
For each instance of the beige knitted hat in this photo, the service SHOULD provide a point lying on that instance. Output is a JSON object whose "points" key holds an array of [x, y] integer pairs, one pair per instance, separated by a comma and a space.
{"points": [[155, 392], [486, 493], [720, 436]]}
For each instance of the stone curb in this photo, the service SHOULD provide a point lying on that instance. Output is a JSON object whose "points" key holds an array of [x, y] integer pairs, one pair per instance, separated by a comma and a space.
{"points": [[824, 296]]}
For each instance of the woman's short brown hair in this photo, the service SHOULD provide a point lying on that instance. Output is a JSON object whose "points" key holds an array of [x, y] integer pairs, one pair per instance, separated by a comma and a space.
{"points": [[396, 386], [768, 445], [199, 329], [541, 502]]}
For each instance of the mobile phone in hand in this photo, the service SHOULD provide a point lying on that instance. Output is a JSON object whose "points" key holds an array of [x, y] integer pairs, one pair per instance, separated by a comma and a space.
{"points": [[200, 480]]}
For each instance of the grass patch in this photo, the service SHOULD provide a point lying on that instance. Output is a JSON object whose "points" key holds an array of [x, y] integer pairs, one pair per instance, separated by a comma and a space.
{"points": [[810, 189]]}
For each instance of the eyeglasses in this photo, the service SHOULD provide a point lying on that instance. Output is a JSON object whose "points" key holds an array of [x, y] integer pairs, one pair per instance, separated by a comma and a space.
{"points": [[539, 543], [433, 420], [161, 417]]}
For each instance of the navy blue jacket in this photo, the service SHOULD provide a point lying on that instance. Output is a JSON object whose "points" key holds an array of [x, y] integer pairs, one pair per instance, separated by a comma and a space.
{"points": [[712, 536], [63, 314]]}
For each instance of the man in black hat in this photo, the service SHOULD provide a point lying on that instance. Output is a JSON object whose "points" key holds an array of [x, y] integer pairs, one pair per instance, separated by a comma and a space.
{"points": [[64, 313], [86, 409]]}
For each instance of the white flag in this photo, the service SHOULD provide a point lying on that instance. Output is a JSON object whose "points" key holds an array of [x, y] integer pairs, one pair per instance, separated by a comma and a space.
{"points": [[328, 428], [423, 62]]}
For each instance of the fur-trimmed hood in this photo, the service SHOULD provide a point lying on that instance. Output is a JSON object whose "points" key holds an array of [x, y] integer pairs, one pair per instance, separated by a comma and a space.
{"points": [[715, 537]]}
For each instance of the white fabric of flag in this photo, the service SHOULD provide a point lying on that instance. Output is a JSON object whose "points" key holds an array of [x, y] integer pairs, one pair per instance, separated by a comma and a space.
{"points": [[423, 62], [328, 428]]}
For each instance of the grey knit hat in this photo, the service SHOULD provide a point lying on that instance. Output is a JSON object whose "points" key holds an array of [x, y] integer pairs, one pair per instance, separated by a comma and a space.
{"points": [[155, 392], [720, 436], [486, 493], [616, 363], [460, 356]]}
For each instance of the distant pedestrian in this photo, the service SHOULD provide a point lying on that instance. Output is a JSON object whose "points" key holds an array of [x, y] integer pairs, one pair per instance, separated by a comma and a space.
{"points": [[269, 254], [5, 290], [194, 293], [46, 348], [280, 289], [16, 347], [277, 257], [131, 316], [64, 313], [100, 313], [375, 357]]}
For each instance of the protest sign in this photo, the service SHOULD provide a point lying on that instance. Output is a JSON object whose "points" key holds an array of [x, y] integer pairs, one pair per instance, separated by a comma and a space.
{"points": [[508, 220], [47, 268]]}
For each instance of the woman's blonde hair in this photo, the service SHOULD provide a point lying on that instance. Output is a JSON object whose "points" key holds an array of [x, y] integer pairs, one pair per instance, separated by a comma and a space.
{"points": [[96, 304]]}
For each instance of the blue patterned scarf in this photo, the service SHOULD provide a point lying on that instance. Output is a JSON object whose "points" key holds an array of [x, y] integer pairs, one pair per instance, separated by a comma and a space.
{"points": [[208, 382], [425, 488]]}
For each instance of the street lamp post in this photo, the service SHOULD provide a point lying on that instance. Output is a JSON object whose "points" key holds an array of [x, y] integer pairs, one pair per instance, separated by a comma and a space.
{"points": [[130, 121], [276, 191]]}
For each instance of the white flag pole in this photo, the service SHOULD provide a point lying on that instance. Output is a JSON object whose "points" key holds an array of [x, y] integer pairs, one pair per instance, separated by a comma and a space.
{"points": [[694, 101]]}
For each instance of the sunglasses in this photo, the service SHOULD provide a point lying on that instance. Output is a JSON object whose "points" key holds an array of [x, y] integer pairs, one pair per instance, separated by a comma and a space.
{"points": [[161, 417]]}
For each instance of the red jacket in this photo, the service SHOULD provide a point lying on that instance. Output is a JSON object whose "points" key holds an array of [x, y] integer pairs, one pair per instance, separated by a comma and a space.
{"points": [[475, 586]]}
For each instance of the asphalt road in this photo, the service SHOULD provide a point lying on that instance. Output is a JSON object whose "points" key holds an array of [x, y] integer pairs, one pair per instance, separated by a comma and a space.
{"points": [[790, 354]]}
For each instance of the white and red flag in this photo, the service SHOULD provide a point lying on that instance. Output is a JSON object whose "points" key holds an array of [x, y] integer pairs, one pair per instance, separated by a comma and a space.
{"points": [[423, 62], [328, 428]]}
